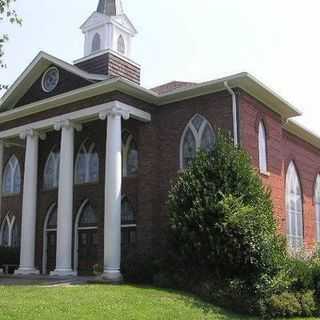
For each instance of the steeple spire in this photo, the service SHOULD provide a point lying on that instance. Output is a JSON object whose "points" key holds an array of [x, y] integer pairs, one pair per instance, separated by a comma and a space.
{"points": [[110, 7]]}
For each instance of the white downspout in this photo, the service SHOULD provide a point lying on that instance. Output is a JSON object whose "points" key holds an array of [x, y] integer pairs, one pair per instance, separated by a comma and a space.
{"points": [[234, 113]]}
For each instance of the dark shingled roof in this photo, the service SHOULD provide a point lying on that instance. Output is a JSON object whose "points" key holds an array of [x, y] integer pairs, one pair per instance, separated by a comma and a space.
{"points": [[110, 7]]}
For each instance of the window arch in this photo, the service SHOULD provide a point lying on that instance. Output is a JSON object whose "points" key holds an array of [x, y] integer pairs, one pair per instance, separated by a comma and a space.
{"points": [[121, 45], [87, 164], [317, 206], [51, 170], [198, 135], [96, 43], [262, 137], [294, 208], [12, 176], [88, 217], [130, 160], [9, 232], [128, 225], [5, 232]]}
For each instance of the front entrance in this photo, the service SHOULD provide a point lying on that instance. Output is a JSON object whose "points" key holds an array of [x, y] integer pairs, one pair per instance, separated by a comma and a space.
{"points": [[51, 250], [86, 240], [88, 251]]}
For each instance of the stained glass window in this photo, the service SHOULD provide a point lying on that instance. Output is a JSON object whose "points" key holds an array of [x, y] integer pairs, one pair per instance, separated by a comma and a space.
{"points": [[51, 170], [12, 176], [130, 161], [87, 164], [294, 209], [198, 135]]}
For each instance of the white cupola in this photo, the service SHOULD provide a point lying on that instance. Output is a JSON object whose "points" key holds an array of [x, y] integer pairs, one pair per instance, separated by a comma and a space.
{"points": [[108, 28]]}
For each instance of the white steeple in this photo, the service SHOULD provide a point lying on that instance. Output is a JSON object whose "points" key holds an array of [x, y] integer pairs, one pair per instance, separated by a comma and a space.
{"points": [[108, 28]]}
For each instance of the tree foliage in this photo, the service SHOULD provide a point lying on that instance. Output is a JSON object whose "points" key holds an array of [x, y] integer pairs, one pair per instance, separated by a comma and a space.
{"points": [[221, 216], [7, 13]]}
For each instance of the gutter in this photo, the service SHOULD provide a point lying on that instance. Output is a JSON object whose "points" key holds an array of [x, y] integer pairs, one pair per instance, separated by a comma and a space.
{"points": [[234, 113]]}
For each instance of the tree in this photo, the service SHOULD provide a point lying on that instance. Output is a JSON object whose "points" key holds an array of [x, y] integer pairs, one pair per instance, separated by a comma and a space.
{"points": [[7, 13], [221, 216]]}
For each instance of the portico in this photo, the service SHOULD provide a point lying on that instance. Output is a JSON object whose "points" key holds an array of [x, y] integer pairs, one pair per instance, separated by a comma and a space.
{"points": [[111, 112]]}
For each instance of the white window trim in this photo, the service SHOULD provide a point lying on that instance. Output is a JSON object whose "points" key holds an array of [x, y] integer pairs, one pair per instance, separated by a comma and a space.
{"points": [[197, 135], [263, 148], [11, 168], [88, 153], [292, 177]]}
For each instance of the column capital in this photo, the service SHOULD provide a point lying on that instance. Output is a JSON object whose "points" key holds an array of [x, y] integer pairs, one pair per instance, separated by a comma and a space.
{"points": [[115, 111], [32, 133], [67, 124]]}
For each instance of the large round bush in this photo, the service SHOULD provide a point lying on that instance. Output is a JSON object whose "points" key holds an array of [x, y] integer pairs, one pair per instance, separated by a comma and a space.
{"points": [[221, 218]]}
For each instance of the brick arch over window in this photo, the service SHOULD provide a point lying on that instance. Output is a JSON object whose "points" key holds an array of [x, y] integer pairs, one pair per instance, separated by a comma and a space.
{"points": [[12, 176], [87, 163], [294, 207], [197, 135]]}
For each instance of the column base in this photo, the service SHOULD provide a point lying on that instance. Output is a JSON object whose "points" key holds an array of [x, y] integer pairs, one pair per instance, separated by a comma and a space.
{"points": [[111, 276], [63, 273], [26, 272]]}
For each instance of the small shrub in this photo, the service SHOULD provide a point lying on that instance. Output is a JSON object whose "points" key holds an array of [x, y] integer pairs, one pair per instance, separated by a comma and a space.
{"points": [[284, 305], [308, 303]]}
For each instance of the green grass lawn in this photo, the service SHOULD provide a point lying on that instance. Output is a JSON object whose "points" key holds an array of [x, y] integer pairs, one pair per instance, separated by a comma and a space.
{"points": [[104, 302]]}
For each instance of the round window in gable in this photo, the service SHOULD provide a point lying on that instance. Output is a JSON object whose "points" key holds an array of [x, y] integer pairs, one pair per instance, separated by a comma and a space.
{"points": [[50, 79]]}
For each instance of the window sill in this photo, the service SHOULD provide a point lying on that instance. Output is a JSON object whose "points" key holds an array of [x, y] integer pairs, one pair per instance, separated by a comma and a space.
{"points": [[10, 195], [265, 173]]}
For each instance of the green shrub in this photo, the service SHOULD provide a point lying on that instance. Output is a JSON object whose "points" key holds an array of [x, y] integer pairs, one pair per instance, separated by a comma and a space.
{"points": [[221, 218], [223, 243], [9, 256], [284, 305]]}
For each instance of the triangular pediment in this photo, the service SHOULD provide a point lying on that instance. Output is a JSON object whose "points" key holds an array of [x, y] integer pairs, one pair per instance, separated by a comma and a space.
{"points": [[124, 22], [96, 19], [28, 87]]}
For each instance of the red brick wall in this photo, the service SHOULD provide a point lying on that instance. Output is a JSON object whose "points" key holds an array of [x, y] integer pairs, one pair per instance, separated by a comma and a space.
{"points": [[282, 147]]}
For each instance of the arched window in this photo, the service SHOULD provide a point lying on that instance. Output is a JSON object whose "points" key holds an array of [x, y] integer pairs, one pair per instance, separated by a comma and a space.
{"points": [[121, 45], [9, 232], [87, 164], [294, 209], [128, 225], [51, 170], [5, 232], [198, 135], [317, 204], [88, 217], [262, 148], [15, 241], [12, 176], [96, 43], [130, 155]]}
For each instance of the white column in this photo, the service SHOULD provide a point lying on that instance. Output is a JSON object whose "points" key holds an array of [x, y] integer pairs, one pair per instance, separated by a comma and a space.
{"points": [[65, 200], [113, 180], [29, 204]]}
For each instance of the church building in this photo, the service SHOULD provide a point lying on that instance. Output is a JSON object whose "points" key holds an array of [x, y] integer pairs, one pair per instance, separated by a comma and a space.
{"points": [[87, 154]]}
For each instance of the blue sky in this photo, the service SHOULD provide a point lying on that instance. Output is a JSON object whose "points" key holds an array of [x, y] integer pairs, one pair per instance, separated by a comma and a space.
{"points": [[190, 40]]}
